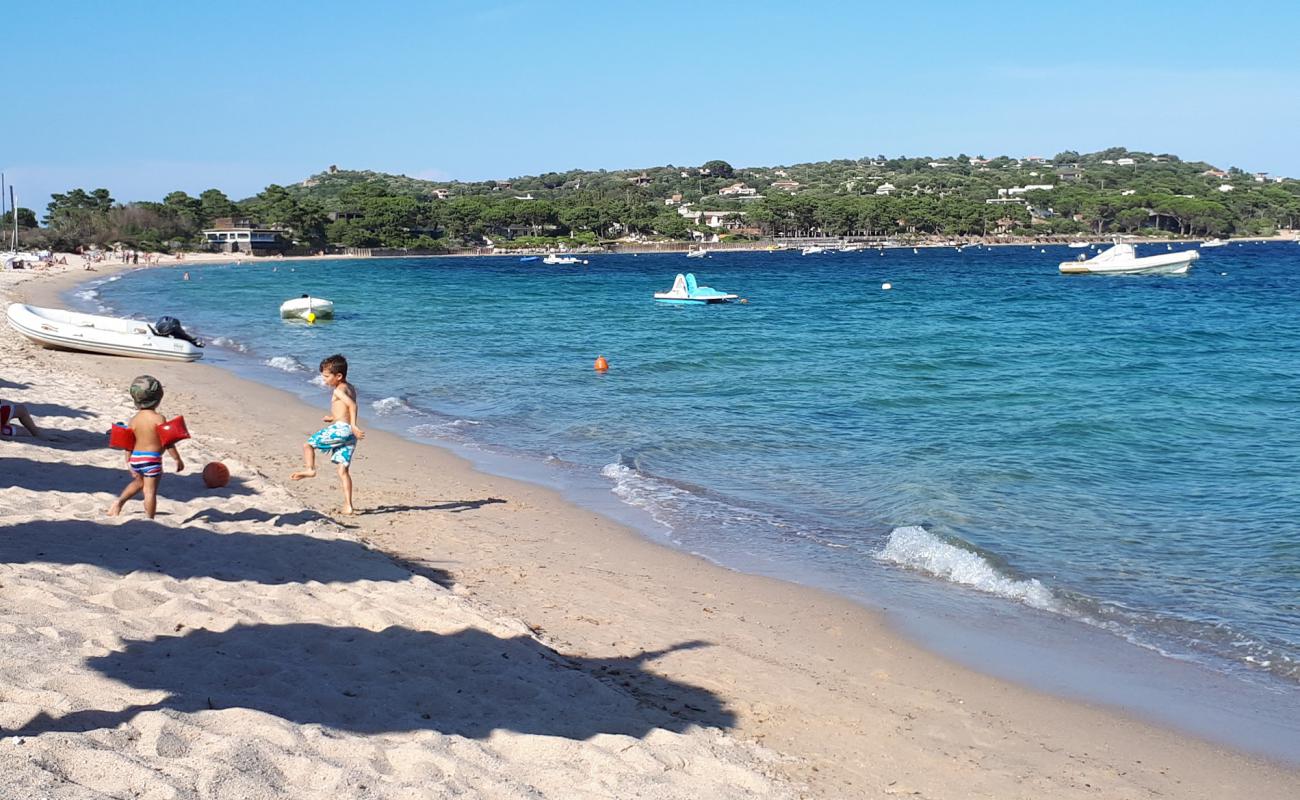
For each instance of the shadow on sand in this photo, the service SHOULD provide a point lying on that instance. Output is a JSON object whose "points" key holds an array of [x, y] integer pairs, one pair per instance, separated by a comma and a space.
{"points": [[77, 440], [453, 506], [469, 683], [144, 546], [42, 476], [258, 515], [42, 410]]}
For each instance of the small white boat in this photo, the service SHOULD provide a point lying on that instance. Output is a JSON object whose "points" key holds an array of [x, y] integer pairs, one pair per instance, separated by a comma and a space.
{"points": [[554, 259], [1122, 259], [300, 307], [72, 330], [812, 250], [699, 253], [686, 291], [1212, 243], [1078, 244]]}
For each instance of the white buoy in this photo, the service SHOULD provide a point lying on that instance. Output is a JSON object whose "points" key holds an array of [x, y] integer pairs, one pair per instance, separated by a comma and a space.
{"points": [[886, 286], [1224, 274]]}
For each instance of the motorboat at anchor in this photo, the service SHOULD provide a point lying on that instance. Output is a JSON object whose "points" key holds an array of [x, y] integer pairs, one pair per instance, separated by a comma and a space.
{"points": [[1122, 259], [697, 253], [687, 291], [554, 259], [812, 250], [90, 333], [301, 307], [1212, 243]]}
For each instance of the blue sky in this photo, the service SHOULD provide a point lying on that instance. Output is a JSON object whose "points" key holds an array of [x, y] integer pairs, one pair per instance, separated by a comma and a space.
{"points": [[146, 97]]}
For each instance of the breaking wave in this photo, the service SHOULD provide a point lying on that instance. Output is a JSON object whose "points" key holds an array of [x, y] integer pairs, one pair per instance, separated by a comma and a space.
{"points": [[230, 344], [286, 363], [916, 548], [392, 405]]}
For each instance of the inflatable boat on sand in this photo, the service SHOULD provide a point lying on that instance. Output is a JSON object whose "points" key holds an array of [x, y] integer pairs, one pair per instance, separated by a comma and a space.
{"points": [[89, 333]]}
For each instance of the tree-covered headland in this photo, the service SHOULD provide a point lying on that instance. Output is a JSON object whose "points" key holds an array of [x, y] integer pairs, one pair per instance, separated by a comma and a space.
{"points": [[1115, 191]]}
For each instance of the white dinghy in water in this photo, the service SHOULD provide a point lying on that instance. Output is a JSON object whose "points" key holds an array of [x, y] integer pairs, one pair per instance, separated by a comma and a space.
{"points": [[300, 307], [1122, 259], [72, 330]]}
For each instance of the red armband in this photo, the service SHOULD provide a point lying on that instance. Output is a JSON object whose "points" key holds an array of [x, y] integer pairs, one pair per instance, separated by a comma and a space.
{"points": [[121, 437], [172, 431]]}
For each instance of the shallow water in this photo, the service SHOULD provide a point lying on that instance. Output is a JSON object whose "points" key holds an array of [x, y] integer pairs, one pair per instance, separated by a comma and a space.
{"points": [[1117, 451]]}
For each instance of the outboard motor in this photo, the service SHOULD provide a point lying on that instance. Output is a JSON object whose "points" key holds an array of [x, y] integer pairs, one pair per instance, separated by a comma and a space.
{"points": [[171, 328]]}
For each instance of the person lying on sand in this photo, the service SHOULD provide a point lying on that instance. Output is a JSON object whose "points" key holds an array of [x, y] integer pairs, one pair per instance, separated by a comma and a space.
{"points": [[145, 458], [340, 434], [10, 411]]}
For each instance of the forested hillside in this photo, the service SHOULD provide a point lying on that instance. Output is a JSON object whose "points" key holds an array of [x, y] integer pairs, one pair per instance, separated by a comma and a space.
{"points": [[1109, 192]]}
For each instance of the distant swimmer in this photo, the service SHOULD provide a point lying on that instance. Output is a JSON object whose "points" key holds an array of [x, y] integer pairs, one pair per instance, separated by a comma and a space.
{"points": [[185, 277]]}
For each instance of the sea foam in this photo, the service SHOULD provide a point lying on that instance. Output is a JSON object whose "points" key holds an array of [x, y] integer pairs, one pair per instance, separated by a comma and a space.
{"points": [[285, 363], [230, 344], [916, 548], [392, 405]]}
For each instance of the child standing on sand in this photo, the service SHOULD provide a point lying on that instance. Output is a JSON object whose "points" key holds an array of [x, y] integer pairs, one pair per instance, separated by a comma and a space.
{"points": [[340, 434], [145, 458]]}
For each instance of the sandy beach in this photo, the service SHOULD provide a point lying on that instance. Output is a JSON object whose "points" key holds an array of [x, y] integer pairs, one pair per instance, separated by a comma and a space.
{"points": [[466, 635]]}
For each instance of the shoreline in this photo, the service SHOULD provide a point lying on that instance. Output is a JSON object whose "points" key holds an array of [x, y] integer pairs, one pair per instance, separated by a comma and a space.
{"points": [[809, 673]]}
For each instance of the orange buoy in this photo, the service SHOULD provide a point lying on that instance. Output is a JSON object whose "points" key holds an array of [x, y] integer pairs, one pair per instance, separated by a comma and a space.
{"points": [[601, 364]]}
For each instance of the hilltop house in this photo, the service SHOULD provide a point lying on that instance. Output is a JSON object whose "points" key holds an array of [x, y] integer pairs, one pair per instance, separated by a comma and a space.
{"points": [[786, 186], [728, 220], [238, 235], [737, 190], [640, 180], [885, 189]]}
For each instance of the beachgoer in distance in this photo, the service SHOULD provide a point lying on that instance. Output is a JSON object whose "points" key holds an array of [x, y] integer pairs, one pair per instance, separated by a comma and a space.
{"points": [[10, 411], [340, 434], [145, 459]]}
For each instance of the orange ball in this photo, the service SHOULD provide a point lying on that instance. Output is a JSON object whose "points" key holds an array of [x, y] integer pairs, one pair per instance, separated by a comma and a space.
{"points": [[215, 475], [601, 364]]}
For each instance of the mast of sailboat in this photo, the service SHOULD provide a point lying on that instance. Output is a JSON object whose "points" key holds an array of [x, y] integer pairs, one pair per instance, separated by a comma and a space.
{"points": [[13, 207]]}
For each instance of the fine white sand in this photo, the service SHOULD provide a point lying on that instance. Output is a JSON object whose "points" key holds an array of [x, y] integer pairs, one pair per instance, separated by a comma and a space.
{"points": [[240, 646]]}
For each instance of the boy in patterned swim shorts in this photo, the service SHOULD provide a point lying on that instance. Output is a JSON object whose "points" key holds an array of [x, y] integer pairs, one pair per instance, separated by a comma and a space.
{"points": [[145, 459], [340, 434]]}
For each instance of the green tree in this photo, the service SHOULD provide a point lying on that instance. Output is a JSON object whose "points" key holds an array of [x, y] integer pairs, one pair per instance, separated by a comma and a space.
{"points": [[213, 203], [718, 169], [26, 219]]}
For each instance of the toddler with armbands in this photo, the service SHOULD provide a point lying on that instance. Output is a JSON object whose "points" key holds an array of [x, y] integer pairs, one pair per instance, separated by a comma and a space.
{"points": [[145, 438]]}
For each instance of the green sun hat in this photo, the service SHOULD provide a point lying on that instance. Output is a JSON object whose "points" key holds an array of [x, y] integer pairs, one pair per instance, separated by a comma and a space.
{"points": [[146, 391]]}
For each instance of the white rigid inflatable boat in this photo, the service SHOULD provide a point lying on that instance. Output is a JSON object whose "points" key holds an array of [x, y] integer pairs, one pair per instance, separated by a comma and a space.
{"points": [[72, 330], [300, 307], [1122, 259]]}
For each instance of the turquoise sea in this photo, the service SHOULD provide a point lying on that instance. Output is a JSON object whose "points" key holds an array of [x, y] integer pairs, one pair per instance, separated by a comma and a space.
{"points": [[1108, 459]]}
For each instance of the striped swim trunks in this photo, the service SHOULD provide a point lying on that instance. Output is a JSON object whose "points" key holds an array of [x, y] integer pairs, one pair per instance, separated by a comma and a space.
{"points": [[146, 463]]}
